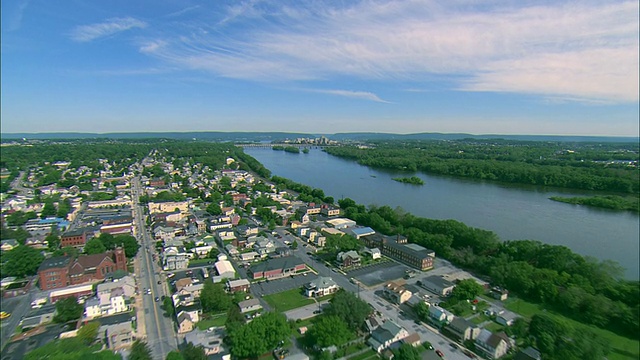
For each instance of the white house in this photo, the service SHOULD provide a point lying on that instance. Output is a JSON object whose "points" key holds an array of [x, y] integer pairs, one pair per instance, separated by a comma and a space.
{"points": [[386, 334]]}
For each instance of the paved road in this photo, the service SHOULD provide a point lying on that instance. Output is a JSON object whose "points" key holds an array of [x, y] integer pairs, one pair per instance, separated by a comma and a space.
{"points": [[18, 307], [160, 333]]}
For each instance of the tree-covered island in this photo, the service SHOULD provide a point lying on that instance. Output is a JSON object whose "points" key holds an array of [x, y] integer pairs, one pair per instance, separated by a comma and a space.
{"points": [[414, 180]]}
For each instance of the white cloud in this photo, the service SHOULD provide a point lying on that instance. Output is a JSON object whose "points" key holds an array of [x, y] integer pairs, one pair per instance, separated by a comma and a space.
{"points": [[86, 33], [363, 95], [570, 49]]}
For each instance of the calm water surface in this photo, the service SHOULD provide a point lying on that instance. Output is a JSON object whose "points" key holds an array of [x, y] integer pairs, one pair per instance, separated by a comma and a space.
{"points": [[511, 212]]}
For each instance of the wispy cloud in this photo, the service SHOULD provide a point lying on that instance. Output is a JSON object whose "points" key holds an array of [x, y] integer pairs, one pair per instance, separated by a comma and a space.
{"points": [[15, 21], [86, 33], [363, 95], [569, 49]]}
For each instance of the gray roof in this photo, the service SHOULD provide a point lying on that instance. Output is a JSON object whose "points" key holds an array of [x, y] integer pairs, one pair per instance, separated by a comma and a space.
{"points": [[386, 331], [54, 262], [248, 303], [461, 324], [437, 281], [286, 262]]}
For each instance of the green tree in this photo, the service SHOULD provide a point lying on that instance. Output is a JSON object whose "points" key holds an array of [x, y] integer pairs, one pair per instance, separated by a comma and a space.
{"points": [[129, 244], [192, 352], [88, 332], [19, 218], [140, 351], [167, 305], [53, 241], [422, 310], [174, 355], [66, 251], [329, 330], [48, 210], [259, 336], [108, 240], [235, 319], [21, 261], [68, 310], [406, 352], [214, 298], [348, 307], [94, 246], [466, 289], [214, 209]]}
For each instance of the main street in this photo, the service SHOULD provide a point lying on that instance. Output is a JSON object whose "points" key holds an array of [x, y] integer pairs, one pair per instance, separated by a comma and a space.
{"points": [[160, 333]]}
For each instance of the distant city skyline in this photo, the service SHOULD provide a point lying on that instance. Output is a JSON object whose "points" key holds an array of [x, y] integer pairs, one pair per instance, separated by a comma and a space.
{"points": [[500, 67]]}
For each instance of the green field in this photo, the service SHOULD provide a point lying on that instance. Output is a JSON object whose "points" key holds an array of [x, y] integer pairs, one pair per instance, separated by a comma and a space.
{"points": [[287, 300], [622, 348]]}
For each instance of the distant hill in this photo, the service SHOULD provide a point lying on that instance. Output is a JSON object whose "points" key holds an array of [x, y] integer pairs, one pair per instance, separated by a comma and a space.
{"points": [[276, 136]]}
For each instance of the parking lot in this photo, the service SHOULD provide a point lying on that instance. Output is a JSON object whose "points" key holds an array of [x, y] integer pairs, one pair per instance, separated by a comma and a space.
{"points": [[376, 274], [276, 286], [17, 349]]}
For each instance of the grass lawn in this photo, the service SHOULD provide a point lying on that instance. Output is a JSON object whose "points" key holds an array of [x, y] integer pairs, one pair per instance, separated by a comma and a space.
{"points": [[215, 321], [622, 348], [369, 354], [479, 319], [201, 261], [494, 327], [287, 300], [522, 307]]}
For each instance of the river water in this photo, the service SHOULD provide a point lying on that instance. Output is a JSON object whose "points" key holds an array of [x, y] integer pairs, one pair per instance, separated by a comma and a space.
{"points": [[513, 213]]}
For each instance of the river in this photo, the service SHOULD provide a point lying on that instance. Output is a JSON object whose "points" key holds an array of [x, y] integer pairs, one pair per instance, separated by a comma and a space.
{"points": [[511, 212]]}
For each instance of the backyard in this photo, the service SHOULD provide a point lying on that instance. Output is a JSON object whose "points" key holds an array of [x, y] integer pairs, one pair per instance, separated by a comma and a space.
{"points": [[287, 300]]}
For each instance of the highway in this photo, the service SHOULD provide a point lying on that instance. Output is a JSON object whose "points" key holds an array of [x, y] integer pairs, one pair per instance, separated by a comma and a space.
{"points": [[160, 333]]}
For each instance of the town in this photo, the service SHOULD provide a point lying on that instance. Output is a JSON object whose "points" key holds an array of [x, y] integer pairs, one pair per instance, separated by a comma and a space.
{"points": [[127, 258]]}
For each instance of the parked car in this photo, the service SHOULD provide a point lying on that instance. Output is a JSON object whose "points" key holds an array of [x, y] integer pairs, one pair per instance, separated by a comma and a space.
{"points": [[157, 299]]}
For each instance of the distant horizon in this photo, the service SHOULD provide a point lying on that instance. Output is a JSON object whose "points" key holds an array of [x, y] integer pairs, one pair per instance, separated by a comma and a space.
{"points": [[361, 134]]}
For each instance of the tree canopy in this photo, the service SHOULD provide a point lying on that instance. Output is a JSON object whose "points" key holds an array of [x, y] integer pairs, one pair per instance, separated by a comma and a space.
{"points": [[348, 307], [67, 310], [329, 330], [94, 246], [21, 261], [259, 336], [140, 351], [214, 298]]}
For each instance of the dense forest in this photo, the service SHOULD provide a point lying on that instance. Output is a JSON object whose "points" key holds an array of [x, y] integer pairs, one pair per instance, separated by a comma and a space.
{"points": [[610, 167]]}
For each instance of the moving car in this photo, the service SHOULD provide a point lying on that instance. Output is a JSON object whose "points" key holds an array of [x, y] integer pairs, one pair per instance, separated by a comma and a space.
{"points": [[4, 315], [157, 299], [439, 353]]}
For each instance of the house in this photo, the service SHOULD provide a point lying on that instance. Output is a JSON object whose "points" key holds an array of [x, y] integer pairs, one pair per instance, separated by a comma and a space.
{"points": [[506, 318], [249, 305], [182, 283], [413, 340], [276, 268], [281, 251], [126, 283], [106, 303], [164, 233], [211, 341], [341, 223], [493, 346], [437, 285], [322, 286], [238, 285], [528, 354], [463, 329], [194, 311], [117, 336], [374, 253], [330, 211], [9, 244], [185, 324], [440, 315], [499, 293], [249, 256], [348, 259], [174, 258], [372, 322], [396, 292], [386, 334]]}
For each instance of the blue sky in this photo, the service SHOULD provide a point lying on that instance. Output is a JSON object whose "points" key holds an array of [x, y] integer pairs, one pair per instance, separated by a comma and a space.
{"points": [[505, 67]]}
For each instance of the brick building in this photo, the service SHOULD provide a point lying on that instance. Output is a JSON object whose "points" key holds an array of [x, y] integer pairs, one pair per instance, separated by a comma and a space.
{"points": [[63, 271], [75, 238]]}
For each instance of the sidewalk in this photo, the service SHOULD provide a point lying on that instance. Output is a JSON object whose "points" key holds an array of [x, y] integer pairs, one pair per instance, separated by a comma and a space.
{"points": [[141, 331]]}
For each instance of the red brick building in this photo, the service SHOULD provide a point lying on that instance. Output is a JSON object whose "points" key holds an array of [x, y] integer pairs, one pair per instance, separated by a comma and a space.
{"points": [[63, 271], [276, 268], [75, 238]]}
